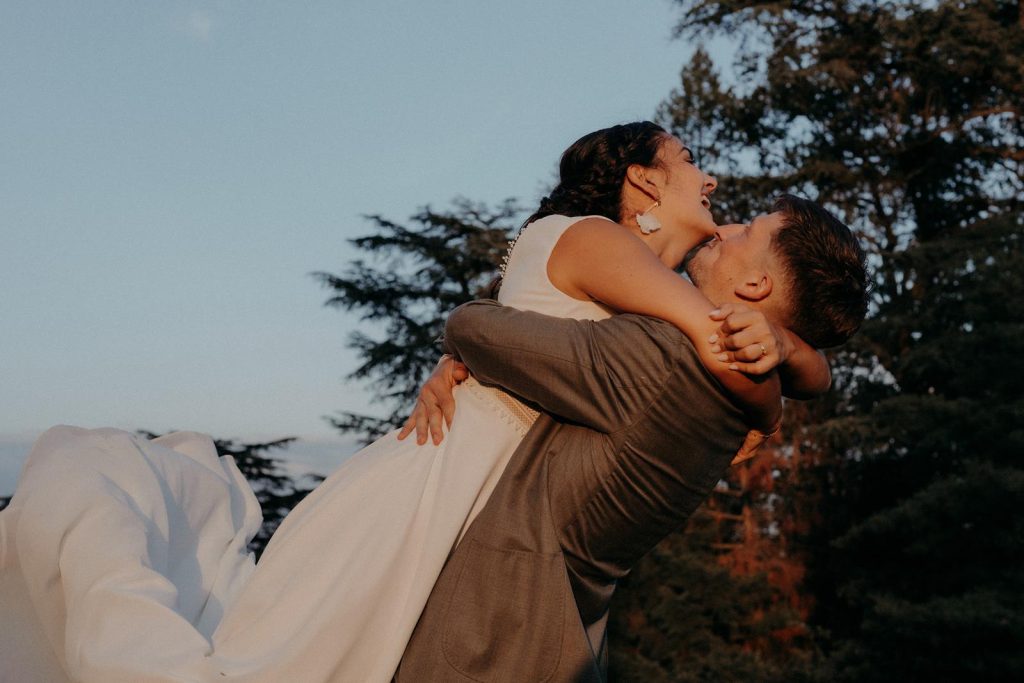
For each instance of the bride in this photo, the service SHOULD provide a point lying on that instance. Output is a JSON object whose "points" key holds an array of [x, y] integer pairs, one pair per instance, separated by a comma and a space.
{"points": [[123, 559]]}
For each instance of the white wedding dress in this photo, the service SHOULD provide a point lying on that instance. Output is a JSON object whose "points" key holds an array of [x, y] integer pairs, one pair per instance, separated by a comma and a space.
{"points": [[123, 560]]}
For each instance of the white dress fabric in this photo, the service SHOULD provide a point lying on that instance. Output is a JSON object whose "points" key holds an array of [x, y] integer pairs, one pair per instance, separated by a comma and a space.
{"points": [[118, 555], [123, 560]]}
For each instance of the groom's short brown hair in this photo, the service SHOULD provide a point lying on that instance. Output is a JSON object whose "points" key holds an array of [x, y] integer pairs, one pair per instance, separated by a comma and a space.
{"points": [[825, 271]]}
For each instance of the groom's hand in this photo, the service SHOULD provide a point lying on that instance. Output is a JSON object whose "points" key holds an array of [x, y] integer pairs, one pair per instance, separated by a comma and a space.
{"points": [[436, 402]]}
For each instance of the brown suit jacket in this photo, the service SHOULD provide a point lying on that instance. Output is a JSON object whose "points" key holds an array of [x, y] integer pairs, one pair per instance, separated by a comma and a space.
{"points": [[642, 434]]}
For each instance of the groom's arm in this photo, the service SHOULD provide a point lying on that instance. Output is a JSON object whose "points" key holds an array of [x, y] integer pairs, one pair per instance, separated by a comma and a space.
{"points": [[597, 373]]}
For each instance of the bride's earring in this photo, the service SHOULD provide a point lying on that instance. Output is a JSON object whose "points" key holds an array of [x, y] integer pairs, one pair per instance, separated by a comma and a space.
{"points": [[647, 221]]}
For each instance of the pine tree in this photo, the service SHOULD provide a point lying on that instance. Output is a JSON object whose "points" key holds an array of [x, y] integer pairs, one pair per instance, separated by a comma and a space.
{"points": [[419, 273]]}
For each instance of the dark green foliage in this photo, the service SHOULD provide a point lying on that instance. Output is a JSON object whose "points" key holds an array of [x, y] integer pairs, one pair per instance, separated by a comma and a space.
{"points": [[931, 542], [937, 583], [418, 273], [276, 490], [906, 119]]}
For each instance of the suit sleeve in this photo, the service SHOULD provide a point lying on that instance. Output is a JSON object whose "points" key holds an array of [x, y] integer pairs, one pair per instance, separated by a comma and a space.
{"points": [[601, 374]]}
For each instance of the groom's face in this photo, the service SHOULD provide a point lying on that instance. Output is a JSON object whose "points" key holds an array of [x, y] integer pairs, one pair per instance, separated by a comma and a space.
{"points": [[738, 264]]}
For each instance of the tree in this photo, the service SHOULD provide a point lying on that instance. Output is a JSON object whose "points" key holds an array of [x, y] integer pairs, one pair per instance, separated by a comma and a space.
{"points": [[419, 273], [905, 118]]}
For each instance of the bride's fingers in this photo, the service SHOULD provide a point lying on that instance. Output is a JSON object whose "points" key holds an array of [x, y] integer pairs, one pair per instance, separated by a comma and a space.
{"points": [[760, 367], [431, 406], [749, 336], [734, 318], [422, 428], [417, 421], [436, 432], [434, 416], [751, 353], [421, 422]]}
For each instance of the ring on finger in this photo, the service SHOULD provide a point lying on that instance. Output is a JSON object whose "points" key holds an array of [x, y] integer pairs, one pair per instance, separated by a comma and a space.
{"points": [[764, 350]]}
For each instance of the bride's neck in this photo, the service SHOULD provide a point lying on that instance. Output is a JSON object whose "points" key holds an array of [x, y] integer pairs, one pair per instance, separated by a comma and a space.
{"points": [[670, 244], [669, 249]]}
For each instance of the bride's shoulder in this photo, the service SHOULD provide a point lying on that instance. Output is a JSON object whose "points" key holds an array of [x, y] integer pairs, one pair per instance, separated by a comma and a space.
{"points": [[589, 248], [590, 232], [559, 222]]}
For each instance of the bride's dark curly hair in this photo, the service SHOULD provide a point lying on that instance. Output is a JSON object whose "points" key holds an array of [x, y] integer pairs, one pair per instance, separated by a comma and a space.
{"points": [[592, 170]]}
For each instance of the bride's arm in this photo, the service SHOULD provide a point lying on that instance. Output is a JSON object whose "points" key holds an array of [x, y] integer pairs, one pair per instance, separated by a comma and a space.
{"points": [[598, 259]]}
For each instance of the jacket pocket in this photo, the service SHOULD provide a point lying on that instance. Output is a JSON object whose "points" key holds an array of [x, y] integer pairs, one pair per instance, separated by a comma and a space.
{"points": [[506, 615]]}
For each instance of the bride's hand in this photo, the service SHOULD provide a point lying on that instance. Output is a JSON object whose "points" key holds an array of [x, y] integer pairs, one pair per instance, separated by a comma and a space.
{"points": [[747, 341], [436, 402]]}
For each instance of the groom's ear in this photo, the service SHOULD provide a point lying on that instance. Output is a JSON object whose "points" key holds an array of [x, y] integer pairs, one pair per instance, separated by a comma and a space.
{"points": [[755, 286]]}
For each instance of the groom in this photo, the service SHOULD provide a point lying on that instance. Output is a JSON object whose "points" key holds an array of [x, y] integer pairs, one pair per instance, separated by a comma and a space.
{"points": [[641, 436]]}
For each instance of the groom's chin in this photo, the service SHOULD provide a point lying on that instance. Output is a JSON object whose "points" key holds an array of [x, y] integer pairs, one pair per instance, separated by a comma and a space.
{"points": [[688, 269]]}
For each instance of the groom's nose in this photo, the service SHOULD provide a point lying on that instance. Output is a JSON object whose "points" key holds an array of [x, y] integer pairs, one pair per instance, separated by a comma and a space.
{"points": [[725, 231]]}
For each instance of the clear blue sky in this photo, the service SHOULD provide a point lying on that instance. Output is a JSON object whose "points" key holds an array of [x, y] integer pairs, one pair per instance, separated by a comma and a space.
{"points": [[173, 171]]}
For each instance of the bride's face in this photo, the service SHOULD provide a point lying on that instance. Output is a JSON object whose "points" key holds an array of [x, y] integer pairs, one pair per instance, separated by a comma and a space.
{"points": [[685, 204]]}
